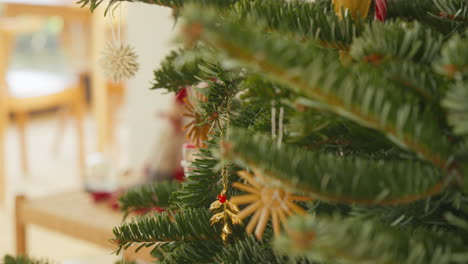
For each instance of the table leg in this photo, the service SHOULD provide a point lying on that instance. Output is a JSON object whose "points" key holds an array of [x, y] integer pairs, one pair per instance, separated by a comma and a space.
{"points": [[78, 110], [20, 227], [3, 127], [3, 121], [5, 46]]}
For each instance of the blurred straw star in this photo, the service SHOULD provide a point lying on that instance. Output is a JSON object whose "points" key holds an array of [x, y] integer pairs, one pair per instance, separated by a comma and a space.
{"points": [[198, 127]]}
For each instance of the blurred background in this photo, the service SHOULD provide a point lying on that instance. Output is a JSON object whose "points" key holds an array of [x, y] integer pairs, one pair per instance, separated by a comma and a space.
{"points": [[69, 138]]}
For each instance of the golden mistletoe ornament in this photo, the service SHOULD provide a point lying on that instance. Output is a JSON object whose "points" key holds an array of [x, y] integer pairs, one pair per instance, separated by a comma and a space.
{"points": [[266, 201], [227, 213]]}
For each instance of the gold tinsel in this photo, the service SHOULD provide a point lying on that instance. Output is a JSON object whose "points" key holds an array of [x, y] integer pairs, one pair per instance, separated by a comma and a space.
{"points": [[266, 201]]}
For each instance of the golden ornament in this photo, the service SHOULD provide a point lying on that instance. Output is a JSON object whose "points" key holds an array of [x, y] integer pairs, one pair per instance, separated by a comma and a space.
{"points": [[265, 201], [356, 7], [228, 215], [229, 210], [197, 132]]}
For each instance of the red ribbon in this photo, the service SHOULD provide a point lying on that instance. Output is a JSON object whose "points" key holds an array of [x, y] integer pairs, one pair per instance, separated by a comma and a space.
{"points": [[381, 10]]}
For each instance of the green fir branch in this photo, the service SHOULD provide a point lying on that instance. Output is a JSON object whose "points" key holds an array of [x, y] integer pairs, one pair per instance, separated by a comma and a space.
{"points": [[419, 10], [428, 213], [332, 178], [397, 40], [351, 240], [464, 169], [203, 182], [323, 131], [256, 97], [148, 196], [456, 102], [367, 100], [185, 68], [455, 11], [453, 60], [457, 221], [8, 259], [219, 92], [316, 20], [176, 226], [416, 77], [93, 4], [177, 71], [415, 9], [193, 252], [249, 250]]}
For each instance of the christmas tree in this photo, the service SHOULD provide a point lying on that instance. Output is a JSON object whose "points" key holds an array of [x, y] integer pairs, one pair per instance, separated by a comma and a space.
{"points": [[328, 132]]}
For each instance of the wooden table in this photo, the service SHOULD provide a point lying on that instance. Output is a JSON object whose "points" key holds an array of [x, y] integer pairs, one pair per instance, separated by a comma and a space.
{"points": [[73, 214], [69, 11]]}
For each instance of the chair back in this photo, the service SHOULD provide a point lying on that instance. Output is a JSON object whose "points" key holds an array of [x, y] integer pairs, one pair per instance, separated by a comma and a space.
{"points": [[9, 28]]}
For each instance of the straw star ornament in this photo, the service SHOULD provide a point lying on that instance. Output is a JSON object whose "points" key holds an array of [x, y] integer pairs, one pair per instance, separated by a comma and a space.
{"points": [[119, 62], [266, 201], [197, 130]]}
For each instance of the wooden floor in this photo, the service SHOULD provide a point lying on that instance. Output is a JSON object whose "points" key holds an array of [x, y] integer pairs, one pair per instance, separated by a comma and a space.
{"points": [[50, 173]]}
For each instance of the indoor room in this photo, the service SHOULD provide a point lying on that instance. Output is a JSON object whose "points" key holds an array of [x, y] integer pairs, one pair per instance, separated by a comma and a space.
{"points": [[234, 131]]}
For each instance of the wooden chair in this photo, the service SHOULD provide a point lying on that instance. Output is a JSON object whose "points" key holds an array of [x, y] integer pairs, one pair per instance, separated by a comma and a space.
{"points": [[24, 92]]}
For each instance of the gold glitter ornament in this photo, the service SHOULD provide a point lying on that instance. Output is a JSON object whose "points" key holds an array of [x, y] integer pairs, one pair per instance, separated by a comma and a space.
{"points": [[119, 62], [265, 201]]}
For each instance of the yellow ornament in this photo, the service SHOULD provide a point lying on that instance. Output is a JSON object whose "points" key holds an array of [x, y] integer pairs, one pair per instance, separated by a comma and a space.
{"points": [[356, 7], [228, 214], [265, 201]]}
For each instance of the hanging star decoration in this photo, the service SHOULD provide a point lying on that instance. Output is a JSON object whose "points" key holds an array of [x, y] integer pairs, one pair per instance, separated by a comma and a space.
{"points": [[198, 129], [266, 200], [119, 62]]}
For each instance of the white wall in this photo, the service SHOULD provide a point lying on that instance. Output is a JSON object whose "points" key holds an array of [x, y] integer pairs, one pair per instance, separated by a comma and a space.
{"points": [[150, 31]]}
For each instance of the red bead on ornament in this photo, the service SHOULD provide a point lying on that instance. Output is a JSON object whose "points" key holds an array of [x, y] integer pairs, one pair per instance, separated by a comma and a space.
{"points": [[221, 198]]}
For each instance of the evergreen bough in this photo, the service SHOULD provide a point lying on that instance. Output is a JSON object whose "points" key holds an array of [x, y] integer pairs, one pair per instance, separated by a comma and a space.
{"points": [[378, 140]]}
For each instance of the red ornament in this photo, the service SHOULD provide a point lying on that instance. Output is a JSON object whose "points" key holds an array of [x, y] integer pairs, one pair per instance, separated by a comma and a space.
{"points": [[181, 95], [381, 10], [221, 198], [179, 174], [101, 196]]}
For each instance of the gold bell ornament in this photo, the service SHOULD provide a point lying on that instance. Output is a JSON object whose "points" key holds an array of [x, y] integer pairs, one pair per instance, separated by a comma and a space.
{"points": [[355, 7]]}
